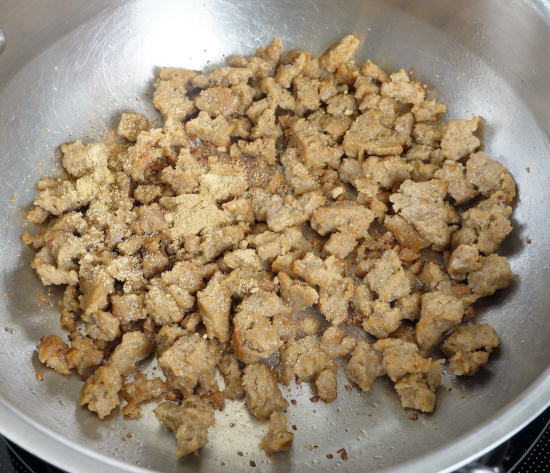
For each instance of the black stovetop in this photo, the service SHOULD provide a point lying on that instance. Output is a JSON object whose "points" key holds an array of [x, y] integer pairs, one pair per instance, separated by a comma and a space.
{"points": [[527, 452]]}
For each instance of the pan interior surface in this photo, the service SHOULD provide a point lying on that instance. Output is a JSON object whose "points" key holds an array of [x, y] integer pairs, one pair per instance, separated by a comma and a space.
{"points": [[71, 67]]}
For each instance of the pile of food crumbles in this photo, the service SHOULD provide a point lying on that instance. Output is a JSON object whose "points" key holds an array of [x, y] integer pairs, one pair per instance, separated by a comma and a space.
{"points": [[278, 187]]}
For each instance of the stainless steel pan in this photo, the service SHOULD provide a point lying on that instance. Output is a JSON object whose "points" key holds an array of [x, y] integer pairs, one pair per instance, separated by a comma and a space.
{"points": [[71, 67]]}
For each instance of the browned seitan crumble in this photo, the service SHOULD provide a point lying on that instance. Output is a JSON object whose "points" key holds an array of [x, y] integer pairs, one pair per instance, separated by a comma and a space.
{"points": [[278, 184]]}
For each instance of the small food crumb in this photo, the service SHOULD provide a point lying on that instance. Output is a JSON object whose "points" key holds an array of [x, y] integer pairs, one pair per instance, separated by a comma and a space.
{"points": [[240, 454], [528, 169], [310, 447], [527, 239], [314, 399], [336, 192], [343, 454], [41, 298], [294, 427], [40, 377], [348, 388], [463, 396], [252, 463], [369, 414], [232, 424], [330, 456], [413, 416], [293, 402]]}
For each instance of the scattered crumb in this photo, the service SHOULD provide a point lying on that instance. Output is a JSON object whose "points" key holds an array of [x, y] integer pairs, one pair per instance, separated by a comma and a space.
{"points": [[527, 239], [343, 454], [413, 416], [40, 377]]}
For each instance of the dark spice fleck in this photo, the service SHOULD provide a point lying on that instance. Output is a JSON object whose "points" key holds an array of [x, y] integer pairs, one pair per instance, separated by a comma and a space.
{"points": [[240, 454], [330, 456], [294, 427], [252, 463], [314, 399], [293, 402]]}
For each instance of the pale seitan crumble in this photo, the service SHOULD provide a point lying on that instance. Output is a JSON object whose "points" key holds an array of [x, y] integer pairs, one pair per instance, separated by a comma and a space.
{"points": [[278, 185]]}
